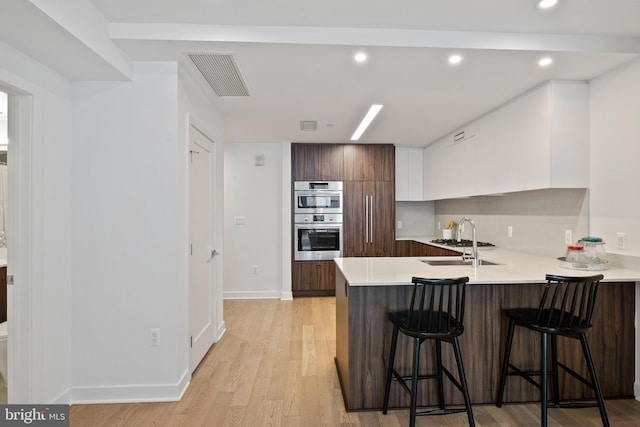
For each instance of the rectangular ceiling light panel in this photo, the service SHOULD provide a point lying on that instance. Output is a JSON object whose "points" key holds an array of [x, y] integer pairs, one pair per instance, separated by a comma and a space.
{"points": [[368, 118], [221, 71]]}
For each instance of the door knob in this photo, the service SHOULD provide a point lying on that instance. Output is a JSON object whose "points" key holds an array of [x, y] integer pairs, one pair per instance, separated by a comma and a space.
{"points": [[213, 253]]}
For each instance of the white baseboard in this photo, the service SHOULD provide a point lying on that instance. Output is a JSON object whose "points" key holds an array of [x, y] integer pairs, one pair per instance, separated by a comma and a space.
{"points": [[252, 295], [63, 398], [636, 390], [131, 393], [286, 296], [222, 328]]}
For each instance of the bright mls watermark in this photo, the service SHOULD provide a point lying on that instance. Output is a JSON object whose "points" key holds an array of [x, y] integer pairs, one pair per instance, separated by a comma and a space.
{"points": [[34, 415]]}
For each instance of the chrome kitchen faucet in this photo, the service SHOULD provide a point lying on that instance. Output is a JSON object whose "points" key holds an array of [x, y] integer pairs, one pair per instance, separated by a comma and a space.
{"points": [[474, 255]]}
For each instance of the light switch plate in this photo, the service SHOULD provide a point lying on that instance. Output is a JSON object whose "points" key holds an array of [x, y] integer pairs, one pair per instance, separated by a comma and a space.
{"points": [[568, 237]]}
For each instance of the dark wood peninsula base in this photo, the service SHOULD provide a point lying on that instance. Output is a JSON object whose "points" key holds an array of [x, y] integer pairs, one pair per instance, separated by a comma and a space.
{"points": [[363, 335]]}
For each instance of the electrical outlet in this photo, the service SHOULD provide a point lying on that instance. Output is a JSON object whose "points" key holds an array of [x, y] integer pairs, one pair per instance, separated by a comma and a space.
{"points": [[568, 237], [255, 269], [620, 240], [399, 225], [239, 220], [155, 336], [439, 226], [509, 231]]}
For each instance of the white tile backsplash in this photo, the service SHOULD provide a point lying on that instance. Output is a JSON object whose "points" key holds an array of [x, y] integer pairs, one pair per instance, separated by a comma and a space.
{"points": [[417, 219], [538, 218]]}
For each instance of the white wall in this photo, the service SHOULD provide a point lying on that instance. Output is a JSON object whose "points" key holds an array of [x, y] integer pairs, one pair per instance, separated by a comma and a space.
{"points": [[615, 153], [255, 193], [106, 227], [40, 177], [3, 119], [128, 239], [53, 158]]}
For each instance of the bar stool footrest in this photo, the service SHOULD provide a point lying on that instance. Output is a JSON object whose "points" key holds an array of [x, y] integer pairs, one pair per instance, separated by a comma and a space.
{"points": [[402, 379], [570, 405], [441, 411]]}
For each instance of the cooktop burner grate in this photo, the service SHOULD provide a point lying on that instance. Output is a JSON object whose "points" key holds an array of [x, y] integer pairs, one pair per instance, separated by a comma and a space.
{"points": [[462, 243]]}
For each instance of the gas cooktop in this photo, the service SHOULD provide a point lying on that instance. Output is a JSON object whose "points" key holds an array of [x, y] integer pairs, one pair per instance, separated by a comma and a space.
{"points": [[462, 243]]}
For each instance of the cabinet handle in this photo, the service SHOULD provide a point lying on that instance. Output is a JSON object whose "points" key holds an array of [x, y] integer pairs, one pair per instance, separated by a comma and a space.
{"points": [[371, 216], [346, 289], [366, 220]]}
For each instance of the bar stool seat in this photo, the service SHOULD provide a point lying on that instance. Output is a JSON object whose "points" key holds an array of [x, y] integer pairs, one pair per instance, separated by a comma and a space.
{"points": [[435, 313], [565, 309]]}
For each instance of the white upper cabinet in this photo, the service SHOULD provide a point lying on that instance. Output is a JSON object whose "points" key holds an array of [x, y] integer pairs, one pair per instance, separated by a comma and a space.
{"points": [[482, 180], [506, 151], [435, 170], [409, 179], [457, 166], [538, 140], [541, 139]]}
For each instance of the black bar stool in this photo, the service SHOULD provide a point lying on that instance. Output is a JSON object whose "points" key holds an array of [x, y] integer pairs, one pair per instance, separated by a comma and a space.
{"points": [[565, 309], [435, 313]]}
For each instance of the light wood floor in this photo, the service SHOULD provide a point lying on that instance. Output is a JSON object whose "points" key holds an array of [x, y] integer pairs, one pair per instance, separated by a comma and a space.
{"points": [[274, 367]]}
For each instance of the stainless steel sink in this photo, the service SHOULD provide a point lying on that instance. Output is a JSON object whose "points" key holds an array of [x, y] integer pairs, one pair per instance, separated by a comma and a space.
{"points": [[444, 262]]}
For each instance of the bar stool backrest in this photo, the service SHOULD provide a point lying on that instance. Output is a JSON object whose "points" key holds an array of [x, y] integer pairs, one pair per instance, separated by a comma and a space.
{"points": [[437, 306], [567, 302]]}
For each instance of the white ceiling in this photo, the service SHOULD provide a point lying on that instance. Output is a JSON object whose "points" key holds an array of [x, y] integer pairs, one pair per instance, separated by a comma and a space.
{"points": [[296, 57]]}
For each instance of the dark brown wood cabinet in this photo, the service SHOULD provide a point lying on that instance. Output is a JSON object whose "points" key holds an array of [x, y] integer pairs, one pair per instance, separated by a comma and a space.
{"points": [[324, 162], [368, 173], [363, 336], [403, 248], [369, 200], [412, 248], [369, 162], [313, 278], [369, 217]]}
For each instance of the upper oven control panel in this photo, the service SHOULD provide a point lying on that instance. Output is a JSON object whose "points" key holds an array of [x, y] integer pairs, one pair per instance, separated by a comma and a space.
{"points": [[317, 218], [317, 186]]}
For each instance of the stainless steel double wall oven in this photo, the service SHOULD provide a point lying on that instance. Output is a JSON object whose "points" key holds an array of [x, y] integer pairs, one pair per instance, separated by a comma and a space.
{"points": [[318, 210]]}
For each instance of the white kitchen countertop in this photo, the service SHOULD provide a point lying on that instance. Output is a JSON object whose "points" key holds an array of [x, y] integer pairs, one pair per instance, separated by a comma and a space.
{"points": [[515, 267]]}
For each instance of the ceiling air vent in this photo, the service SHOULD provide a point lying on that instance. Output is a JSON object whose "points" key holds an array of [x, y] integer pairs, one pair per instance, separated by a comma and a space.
{"points": [[221, 71], [308, 125]]}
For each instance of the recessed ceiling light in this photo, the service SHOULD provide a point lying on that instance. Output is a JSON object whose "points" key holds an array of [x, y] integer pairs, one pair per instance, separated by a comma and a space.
{"points": [[545, 62], [455, 59], [546, 4], [368, 118], [360, 57]]}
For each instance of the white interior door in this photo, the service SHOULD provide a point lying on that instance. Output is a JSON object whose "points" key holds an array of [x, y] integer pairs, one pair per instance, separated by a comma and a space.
{"points": [[201, 250]]}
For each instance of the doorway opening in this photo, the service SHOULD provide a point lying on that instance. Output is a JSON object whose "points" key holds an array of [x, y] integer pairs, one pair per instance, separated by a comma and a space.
{"points": [[4, 142], [202, 252]]}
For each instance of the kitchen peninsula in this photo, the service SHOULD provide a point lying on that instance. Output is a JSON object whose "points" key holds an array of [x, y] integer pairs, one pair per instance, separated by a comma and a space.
{"points": [[368, 288]]}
